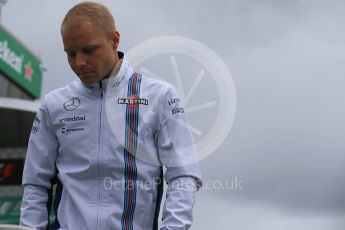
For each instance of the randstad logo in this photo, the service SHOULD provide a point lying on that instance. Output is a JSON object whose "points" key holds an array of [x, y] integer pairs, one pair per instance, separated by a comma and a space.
{"points": [[71, 119], [133, 101]]}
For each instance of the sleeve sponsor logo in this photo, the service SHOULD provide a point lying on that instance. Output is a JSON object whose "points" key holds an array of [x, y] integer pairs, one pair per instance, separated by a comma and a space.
{"points": [[174, 101], [36, 124], [133, 101], [34, 129], [71, 104], [177, 111]]}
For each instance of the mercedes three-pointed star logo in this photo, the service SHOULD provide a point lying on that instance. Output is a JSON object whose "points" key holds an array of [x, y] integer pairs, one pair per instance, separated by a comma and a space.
{"points": [[71, 104]]}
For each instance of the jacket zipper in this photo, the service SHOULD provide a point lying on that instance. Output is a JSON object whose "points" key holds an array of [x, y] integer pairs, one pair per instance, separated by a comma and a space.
{"points": [[100, 151]]}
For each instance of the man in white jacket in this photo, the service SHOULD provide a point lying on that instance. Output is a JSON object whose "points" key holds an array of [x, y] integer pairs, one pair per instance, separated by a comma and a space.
{"points": [[107, 137]]}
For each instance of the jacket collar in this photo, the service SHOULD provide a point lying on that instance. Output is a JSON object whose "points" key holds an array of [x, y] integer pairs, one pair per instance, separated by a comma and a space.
{"points": [[118, 78]]}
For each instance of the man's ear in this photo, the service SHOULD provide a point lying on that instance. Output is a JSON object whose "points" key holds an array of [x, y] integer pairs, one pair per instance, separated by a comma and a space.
{"points": [[116, 39]]}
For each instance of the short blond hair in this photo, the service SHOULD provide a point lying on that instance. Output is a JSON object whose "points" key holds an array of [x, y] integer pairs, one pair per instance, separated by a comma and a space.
{"points": [[95, 13]]}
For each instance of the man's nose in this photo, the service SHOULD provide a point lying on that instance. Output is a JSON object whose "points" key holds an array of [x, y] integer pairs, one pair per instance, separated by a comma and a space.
{"points": [[80, 60]]}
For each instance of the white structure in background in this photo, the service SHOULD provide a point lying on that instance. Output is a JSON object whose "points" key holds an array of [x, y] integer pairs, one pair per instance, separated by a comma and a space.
{"points": [[2, 3]]}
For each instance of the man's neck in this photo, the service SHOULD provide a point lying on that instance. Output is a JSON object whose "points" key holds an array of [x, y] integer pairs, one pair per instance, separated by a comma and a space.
{"points": [[115, 68]]}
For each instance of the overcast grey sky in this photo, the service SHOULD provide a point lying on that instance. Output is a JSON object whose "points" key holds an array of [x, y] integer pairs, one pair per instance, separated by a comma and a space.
{"points": [[286, 146]]}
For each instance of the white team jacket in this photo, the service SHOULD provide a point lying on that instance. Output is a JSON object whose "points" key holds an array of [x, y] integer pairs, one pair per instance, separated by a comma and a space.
{"points": [[107, 144]]}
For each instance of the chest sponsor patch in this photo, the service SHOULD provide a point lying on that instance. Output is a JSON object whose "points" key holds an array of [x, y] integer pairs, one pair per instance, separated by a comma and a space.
{"points": [[66, 130], [133, 101], [72, 119], [71, 104]]}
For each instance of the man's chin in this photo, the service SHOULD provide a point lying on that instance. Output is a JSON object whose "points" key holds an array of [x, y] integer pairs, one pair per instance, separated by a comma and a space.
{"points": [[88, 81]]}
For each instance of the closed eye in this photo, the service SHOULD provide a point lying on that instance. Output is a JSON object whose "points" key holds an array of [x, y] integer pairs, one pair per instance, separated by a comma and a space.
{"points": [[89, 49], [71, 53]]}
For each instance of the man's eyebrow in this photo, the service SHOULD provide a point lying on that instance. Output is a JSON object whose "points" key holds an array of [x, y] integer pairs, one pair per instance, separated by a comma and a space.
{"points": [[84, 47], [90, 46]]}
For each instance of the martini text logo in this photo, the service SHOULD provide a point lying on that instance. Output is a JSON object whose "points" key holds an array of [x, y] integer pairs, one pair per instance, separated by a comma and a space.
{"points": [[133, 101]]}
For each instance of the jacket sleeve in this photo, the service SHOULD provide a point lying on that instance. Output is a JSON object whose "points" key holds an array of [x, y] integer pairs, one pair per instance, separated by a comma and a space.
{"points": [[38, 171], [178, 154]]}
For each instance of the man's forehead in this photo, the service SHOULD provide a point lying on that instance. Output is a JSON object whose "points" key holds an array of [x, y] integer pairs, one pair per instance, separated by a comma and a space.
{"points": [[77, 21], [81, 28]]}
